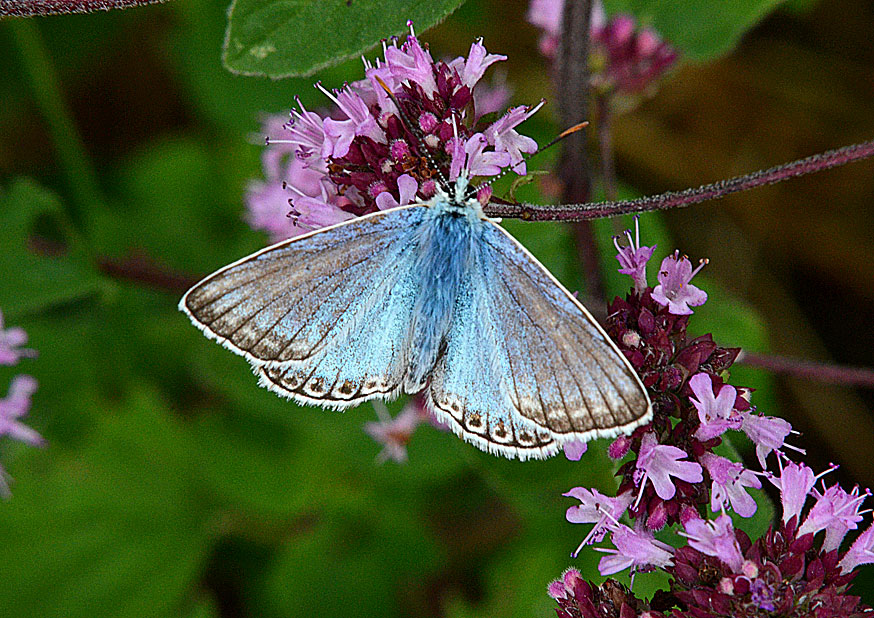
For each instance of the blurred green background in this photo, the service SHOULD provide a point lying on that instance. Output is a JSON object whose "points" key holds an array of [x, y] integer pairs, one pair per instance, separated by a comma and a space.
{"points": [[173, 486]]}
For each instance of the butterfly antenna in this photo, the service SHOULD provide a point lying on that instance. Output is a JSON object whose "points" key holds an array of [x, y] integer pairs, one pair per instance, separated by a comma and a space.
{"points": [[557, 139], [414, 130]]}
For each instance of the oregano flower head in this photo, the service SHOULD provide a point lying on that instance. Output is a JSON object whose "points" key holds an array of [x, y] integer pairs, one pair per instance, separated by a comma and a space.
{"points": [[387, 139]]}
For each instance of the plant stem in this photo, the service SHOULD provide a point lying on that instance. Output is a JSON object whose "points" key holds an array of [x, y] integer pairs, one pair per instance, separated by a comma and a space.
{"points": [[72, 157], [605, 143], [30, 8], [572, 86], [678, 199], [834, 374], [143, 270]]}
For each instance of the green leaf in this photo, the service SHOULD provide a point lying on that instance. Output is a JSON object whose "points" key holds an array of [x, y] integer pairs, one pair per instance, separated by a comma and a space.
{"points": [[113, 529], [30, 281], [344, 564], [286, 38], [701, 29], [70, 343], [177, 209], [222, 98], [201, 608]]}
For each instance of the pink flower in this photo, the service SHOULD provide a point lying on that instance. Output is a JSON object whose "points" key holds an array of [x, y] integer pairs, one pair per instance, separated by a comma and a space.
{"points": [[413, 64], [564, 587], [628, 59], [575, 450], [634, 257], [491, 98], [674, 290], [15, 405], [595, 506], [794, 483], [860, 552], [658, 463], [619, 447], [472, 68], [11, 340], [729, 480], [768, 433], [473, 159], [501, 135], [634, 549], [293, 199], [395, 433], [836, 512], [408, 188], [361, 122], [715, 413], [598, 509], [717, 539], [318, 211], [268, 202], [306, 132], [547, 15]]}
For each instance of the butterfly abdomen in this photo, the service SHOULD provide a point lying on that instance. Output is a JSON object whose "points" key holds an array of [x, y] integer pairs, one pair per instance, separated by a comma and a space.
{"points": [[444, 246]]}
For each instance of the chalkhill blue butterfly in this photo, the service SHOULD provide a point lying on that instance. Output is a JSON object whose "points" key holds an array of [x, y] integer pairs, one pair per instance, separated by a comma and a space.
{"points": [[433, 298], [423, 293]]}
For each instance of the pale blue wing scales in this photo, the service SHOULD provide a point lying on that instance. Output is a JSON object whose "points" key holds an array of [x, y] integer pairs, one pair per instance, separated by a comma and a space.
{"points": [[250, 297], [526, 368], [285, 303], [469, 385], [369, 355], [568, 376]]}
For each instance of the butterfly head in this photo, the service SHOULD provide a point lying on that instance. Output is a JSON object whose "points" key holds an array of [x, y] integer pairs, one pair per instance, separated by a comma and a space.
{"points": [[458, 198]]}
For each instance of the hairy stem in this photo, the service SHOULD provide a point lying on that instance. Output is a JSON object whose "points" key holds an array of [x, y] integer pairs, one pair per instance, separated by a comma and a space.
{"points": [[31, 8], [678, 199], [834, 374]]}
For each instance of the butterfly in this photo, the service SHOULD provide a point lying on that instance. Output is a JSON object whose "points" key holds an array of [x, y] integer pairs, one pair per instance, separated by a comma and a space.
{"points": [[432, 298]]}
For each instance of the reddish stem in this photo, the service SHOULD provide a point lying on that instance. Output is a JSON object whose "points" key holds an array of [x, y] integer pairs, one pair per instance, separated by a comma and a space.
{"points": [[834, 374], [679, 199], [31, 8], [145, 271]]}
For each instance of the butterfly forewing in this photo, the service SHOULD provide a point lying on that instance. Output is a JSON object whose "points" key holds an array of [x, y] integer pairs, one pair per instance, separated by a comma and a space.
{"points": [[294, 302]]}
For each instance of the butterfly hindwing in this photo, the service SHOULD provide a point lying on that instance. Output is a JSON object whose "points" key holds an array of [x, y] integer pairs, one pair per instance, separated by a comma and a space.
{"points": [[467, 389], [545, 373], [578, 382], [322, 317]]}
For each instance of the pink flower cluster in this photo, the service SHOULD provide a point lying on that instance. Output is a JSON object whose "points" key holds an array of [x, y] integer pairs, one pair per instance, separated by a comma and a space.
{"points": [[675, 469], [674, 476], [625, 59], [387, 140], [796, 569], [16, 404]]}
